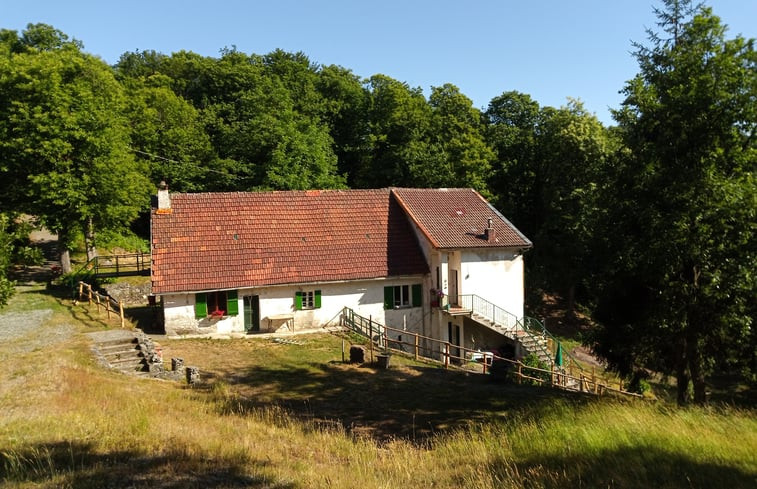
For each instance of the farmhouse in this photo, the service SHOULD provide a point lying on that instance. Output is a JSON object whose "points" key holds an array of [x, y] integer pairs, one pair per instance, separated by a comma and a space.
{"points": [[420, 260]]}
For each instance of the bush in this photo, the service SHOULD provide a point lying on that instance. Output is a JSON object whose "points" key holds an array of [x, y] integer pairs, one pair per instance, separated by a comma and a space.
{"points": [[500, 370], [127, 240], [531, 360]]}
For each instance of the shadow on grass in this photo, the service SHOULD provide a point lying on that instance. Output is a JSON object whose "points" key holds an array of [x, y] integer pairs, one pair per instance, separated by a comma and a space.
{"points": [[409, 402], [80, 466], [642, 466]]}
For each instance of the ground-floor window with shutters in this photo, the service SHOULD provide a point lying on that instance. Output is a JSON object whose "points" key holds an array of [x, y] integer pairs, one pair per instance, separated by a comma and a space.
{"points": [[216, 304], [401, 296], [307, 299]]}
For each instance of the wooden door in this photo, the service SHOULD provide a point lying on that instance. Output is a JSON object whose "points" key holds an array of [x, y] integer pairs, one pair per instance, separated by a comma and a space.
{"points": [[453, 298], [252, 313]]}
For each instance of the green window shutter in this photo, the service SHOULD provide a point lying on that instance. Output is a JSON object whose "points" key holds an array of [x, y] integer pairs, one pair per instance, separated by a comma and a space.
{"points": [[232, 306], [417, 298], [317, 299], [201, 306], [298, 301], [389, 297]]}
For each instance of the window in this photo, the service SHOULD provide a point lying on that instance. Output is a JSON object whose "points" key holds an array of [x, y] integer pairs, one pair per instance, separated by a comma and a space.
{"points": [[218, 303], [400, 296], [307, 299]]}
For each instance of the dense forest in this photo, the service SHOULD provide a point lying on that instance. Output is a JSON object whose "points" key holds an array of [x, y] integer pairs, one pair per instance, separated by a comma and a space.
{"points": [[648, 225]]}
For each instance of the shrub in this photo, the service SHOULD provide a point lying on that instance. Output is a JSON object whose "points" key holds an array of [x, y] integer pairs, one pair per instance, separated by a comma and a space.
{"points": [[531, 360]]}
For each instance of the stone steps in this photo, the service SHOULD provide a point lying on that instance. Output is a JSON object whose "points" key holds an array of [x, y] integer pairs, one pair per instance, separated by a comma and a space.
{"points": [[119, 350], [530, 343]]}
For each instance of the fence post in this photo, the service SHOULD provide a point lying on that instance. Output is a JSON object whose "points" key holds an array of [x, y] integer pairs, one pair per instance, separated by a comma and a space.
{"points": [[121, 313], [446, 355], [81, 290], [97, 300], [416, 346], [520, 372], [89, 297], [370, 336], [107, 306]]}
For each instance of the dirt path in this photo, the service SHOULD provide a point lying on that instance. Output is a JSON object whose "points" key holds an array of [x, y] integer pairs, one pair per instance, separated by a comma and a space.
{"points": [[29, 275]]}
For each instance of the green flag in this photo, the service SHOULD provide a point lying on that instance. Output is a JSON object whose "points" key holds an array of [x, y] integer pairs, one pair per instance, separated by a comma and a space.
{"points": [[558, 356]]}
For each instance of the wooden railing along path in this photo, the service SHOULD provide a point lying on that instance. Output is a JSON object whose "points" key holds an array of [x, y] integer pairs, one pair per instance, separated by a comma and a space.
{"points": [[453, 356], [111, 305], [133, 264], [528, 331]]}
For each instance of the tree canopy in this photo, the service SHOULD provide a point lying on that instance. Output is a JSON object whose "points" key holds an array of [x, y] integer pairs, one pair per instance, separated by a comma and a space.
{"points": [[679, 296], [64, 142], [649, 225]]}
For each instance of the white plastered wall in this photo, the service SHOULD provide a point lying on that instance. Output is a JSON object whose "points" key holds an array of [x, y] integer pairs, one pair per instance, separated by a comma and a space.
{"points": [[495, 275], [365, 297]]}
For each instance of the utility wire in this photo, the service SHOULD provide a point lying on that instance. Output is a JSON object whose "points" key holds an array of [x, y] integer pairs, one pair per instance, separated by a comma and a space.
{"points": [[189, 163]]}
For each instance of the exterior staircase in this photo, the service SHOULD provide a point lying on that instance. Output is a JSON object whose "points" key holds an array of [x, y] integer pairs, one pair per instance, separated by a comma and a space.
{"points": [[119, 350], [529, 343], [528, 333]]}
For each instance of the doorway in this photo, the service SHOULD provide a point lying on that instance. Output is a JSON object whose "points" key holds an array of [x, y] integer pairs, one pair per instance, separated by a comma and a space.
{"points": [[453, 298], [453, 333], [251, 313]]}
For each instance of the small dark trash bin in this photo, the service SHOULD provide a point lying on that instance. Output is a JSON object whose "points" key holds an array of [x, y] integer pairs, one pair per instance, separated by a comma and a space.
{"points": [[383, 360], [357, 354]]}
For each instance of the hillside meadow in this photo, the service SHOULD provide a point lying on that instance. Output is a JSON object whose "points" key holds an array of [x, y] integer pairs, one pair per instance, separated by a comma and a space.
{"points": [[286, 415]]}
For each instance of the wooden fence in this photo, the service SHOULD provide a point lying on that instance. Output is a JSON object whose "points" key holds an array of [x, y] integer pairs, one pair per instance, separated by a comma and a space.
{"points": [[111, 305], [454, 356]]}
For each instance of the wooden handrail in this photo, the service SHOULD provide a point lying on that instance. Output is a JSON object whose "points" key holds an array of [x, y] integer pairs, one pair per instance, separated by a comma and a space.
{"points": [[557, 378], [94, 296]]}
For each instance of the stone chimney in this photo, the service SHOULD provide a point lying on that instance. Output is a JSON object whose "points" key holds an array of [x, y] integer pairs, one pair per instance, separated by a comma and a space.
{"points": [[490, 233], [164, 199]]}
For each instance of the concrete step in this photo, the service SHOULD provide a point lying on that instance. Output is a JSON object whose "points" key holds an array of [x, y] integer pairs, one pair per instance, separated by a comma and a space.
{"points": [[115, 356], [129, 368], [127, 347], [124, 359], [116, 341]]}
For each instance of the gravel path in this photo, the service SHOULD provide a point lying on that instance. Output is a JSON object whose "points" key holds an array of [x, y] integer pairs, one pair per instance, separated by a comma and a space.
{"points": [[25, 331]]}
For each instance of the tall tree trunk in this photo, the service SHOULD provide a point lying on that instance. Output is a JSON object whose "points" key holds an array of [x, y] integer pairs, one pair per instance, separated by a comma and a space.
{"points": [[682, 373], [694, 357], [571, 306], [64, 245], [65, 259], [89, 239]]}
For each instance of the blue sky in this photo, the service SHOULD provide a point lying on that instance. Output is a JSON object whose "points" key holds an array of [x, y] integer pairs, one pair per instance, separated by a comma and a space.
{"points": [[549, 49]]}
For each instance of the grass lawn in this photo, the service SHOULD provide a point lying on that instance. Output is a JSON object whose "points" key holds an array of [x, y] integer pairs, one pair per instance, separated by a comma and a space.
{"points": [[275, 415]]}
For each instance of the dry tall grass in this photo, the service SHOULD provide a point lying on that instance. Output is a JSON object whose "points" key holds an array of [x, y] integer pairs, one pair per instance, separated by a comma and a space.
{"points": [[265, 423]]}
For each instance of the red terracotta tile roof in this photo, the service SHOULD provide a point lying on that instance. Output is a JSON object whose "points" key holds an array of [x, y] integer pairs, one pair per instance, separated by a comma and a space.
{"points": [[457, 217], [232, 240]]}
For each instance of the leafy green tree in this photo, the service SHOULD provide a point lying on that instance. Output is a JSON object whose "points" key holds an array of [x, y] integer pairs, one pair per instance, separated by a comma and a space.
{"points": [[464, 158], [549, 162], [345, 110], [7, 286], [512, 127], [168, 133], [261, 113], [65, 143], [400, 121], [574, 149], [678, 293]]}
